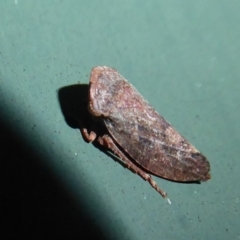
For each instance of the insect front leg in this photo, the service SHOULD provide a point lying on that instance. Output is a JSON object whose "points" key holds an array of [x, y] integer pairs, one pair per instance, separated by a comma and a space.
{"points": [[107, 141], [89, 137]]}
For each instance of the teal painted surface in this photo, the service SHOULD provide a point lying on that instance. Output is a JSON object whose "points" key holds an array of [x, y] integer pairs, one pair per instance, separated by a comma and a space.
{"points": [[183, 56]]}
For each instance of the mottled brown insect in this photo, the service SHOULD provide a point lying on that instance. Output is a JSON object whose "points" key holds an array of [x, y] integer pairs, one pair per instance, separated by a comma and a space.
{"points": [[137, 134]]}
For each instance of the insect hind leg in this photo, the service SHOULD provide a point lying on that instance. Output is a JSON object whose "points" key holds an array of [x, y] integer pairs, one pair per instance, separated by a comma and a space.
{"points": [[107, 142]]}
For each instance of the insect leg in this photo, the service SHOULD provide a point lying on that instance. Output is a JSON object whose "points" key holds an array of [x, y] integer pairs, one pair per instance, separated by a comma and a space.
{"points": [[107, 141], [89, 137]]}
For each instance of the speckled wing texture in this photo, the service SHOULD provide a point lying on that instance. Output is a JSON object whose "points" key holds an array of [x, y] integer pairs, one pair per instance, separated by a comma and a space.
{"points": [[141, 132]]}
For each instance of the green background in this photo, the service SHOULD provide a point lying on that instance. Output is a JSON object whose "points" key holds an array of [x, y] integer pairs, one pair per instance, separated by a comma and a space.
{"points": [[182, 56]]}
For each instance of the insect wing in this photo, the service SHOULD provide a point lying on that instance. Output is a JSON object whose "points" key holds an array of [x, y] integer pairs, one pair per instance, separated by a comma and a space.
{"points": [[141, 132]]}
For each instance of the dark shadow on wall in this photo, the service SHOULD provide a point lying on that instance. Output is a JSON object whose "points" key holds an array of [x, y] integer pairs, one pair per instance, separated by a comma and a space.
{"points": [[34, 204]]}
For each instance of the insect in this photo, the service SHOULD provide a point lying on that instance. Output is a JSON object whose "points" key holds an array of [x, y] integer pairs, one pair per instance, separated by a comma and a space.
{"points": [[144, 141]]}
